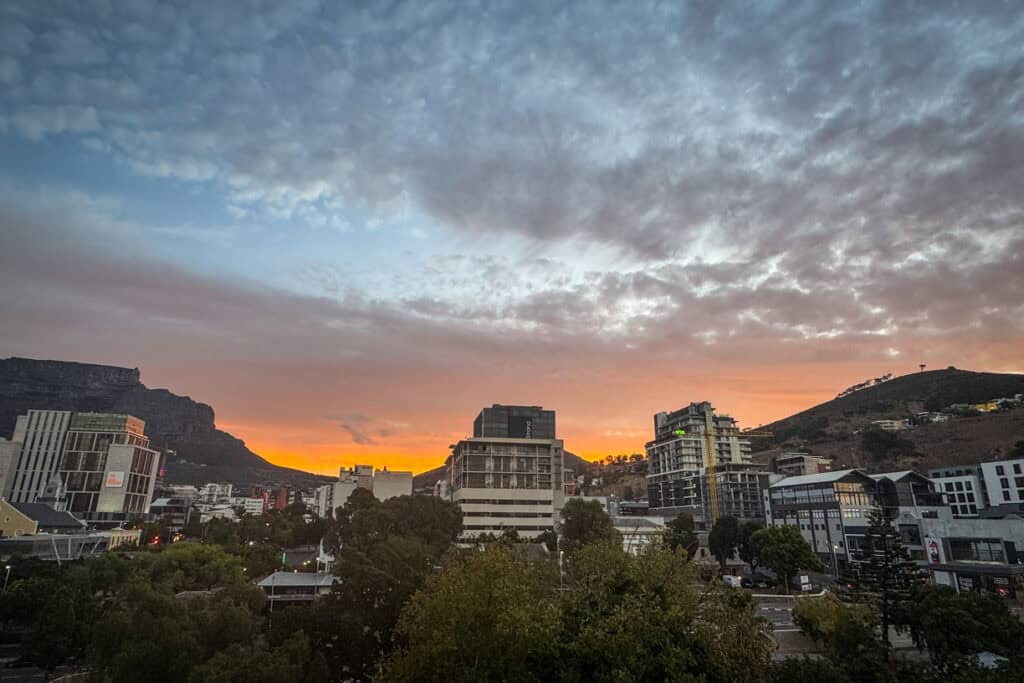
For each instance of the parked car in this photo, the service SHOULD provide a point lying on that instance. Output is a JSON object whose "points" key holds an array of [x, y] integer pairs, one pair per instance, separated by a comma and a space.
{"points": [[757, 580], [731, 581]]}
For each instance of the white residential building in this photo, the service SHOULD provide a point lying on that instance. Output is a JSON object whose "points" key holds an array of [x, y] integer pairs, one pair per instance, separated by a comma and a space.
{"points": [[215, 494], [250, 506], [1004, 481], [974, 488], [383, 484]]}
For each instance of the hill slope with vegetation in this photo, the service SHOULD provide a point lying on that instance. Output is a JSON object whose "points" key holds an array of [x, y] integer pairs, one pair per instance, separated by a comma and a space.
{"points": [[842, 428]]}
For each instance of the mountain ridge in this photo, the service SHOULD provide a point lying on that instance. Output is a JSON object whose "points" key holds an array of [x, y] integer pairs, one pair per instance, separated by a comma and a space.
{"points": [[203, 453]]}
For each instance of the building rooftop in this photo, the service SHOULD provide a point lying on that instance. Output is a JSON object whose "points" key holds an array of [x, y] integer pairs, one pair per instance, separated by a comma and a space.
{"points": [[819, 478], [47, 517], [298, 579], [636, 523]]}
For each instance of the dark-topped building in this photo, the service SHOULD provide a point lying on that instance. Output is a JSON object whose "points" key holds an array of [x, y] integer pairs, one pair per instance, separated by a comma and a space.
{"points": [[514, 422]]}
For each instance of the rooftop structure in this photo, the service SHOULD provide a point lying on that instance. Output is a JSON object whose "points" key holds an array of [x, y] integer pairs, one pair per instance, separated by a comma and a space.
{"points": [[517, 422]]}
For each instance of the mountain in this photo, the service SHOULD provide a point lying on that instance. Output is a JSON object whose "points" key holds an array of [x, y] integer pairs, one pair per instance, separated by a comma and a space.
{"points": [[203, 452], [430, 477], [841, 428]]}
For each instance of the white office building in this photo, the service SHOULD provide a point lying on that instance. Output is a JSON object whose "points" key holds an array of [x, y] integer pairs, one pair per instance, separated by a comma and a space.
{"points": [[108, 469], [41, 435]]}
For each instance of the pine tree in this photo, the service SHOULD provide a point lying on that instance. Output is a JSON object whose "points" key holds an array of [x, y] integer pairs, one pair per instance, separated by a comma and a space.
{"points": [[882, 569]]}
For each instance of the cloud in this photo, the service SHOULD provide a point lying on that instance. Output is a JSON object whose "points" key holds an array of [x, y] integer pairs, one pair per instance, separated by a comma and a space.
{"points": [[669, 132], [607, 194]]}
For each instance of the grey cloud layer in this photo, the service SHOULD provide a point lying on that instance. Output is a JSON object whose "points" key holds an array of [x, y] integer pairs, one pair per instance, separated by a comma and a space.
{"points": [[780, 171]]}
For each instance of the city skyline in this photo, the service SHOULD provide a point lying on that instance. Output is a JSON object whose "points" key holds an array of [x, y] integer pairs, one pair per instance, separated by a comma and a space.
{"points": [[349, 229]]}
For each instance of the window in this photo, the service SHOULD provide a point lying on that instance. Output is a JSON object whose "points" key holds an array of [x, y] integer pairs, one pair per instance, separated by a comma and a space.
{"points": [[949, 486], [1016, 468], [969, 486], [1006, 495], [959, 486], [999, 470], [970, 497], [1004, 482]]}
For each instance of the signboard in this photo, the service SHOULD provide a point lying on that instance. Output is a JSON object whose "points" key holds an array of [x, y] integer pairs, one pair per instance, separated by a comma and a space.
{"points": [[934, 550], [115, 479], [805, 582], [680, 432]]}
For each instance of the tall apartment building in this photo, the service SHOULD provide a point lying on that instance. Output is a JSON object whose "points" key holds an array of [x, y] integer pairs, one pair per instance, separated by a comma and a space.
{"points": [[108, 469], [41, 435], [685, 443], [509, 474]]}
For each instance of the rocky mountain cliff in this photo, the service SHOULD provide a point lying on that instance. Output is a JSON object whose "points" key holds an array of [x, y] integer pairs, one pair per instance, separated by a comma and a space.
{"points": [[203, 452]]}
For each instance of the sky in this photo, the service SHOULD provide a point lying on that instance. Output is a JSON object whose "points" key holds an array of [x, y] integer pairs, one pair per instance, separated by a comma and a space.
{"points": [[349, 226]]}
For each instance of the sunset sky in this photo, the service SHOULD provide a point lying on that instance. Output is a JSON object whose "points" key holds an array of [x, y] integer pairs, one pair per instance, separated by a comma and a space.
{"points": [[348, 226]]}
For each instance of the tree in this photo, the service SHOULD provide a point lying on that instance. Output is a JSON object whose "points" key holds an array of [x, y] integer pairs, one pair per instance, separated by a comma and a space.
{"points": [[679, 533], [585, 522], [723, 539], [954, 625], [784, 551], [630, 618], [549, 538], [502, 625], [55, 617], [743, 545], [882, 567], [1018, 450]]}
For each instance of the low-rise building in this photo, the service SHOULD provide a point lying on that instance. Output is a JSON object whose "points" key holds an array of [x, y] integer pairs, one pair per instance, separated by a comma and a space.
{"points": [[62, 547], [830, 509], [286, 589], [388, 484], [13, 522], [639, 533], [250, 506], [795, 464], [890, 425], [215, 493], [176, 511]]}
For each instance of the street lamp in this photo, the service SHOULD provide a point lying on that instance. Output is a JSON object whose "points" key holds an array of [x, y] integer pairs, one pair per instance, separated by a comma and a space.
{"points": [[7, 577]]}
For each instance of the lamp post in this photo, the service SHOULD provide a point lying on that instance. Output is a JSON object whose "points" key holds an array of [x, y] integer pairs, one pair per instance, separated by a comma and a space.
{"points": [[7, 577]]}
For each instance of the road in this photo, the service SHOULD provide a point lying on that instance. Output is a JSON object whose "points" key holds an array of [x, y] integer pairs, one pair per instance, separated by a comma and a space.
{"points": [[780, 615]]}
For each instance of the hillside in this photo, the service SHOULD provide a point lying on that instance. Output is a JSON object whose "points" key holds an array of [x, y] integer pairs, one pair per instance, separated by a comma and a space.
{"points": [[203, 452], [836, 428]]}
